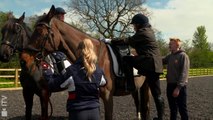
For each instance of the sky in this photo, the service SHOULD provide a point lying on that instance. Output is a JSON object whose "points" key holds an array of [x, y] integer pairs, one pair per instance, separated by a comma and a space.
{"points": [[174, 18]]}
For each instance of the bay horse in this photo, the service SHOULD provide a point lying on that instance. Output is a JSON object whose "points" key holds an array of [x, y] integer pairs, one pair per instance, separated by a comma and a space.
{"points": [[51, 34], [15, 38]]}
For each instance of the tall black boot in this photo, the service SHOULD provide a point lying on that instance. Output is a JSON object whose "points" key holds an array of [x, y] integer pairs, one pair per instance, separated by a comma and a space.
{"points": [[159, 102], [130, 84]]}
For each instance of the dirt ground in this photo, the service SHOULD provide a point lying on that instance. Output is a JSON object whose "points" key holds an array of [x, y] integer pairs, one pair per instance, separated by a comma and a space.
{"points": [[200, 103]]}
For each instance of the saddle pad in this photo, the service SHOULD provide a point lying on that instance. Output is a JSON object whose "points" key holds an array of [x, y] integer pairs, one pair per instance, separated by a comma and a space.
{"points": [[115, 64]]}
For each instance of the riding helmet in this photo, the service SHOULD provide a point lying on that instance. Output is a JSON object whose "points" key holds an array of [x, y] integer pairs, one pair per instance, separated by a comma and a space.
{"points": [[139, 19], [60, 10]]}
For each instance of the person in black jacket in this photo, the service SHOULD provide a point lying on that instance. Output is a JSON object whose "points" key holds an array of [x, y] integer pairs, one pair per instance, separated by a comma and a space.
{"points": [[148, 60]]}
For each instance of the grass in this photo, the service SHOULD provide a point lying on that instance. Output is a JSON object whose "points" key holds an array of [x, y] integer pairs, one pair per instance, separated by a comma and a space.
{"points": [[7, 83], [6, 80]]}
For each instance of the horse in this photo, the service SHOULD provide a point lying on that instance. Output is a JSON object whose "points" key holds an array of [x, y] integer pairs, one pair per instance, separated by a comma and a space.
{"points": [[51, 34], [15, 37]]}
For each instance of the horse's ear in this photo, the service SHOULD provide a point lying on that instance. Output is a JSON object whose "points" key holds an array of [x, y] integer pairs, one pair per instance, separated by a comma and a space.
{"points": [[51, 13], [21, 19]]}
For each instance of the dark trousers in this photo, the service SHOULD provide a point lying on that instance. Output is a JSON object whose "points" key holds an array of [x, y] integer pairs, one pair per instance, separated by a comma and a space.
{"points": [[153, 80], [90, 114], [178, 103], [151, 77], [154, 84]]}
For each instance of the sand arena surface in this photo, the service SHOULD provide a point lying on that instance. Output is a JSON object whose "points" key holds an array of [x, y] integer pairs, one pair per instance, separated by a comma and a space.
{"points": [[200, 103]]}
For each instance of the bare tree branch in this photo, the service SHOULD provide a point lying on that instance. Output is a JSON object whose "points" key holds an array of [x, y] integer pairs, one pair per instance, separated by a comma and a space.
{"points": [[110, 18]]}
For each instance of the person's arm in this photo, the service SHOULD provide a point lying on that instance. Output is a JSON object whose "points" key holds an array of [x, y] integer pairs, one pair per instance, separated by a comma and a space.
{"points": [[69, 84], [165, 60], [118, 41], [184, 68]]}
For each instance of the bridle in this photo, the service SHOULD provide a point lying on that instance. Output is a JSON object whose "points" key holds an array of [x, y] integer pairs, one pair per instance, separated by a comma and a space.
{"points": [[49, 36], [14, 44]]}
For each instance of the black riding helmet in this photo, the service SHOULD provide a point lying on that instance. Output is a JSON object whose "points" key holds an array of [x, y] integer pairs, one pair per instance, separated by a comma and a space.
{"points": [[60, 10], [139, 19]]}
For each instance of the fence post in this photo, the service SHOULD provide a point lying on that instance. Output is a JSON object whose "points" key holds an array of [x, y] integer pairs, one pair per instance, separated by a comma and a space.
{"points": [[16, 77]]}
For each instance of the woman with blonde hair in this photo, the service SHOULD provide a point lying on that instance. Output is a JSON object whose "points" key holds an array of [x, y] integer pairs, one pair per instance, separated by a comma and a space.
{"points": [[83, 84], [86, 51]]}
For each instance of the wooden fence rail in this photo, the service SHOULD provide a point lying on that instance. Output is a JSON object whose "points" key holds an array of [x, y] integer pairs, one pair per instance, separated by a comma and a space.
{"points": [[195, 72], [15, 75]]}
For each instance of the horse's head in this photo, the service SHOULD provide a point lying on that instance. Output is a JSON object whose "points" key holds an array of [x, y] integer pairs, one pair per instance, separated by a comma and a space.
{"points": [[14, 37], [42, 38], [51, 34], [48, 35]]}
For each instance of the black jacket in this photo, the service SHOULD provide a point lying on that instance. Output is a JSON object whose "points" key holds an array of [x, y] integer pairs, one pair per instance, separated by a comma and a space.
{"points": [[144, 42]]}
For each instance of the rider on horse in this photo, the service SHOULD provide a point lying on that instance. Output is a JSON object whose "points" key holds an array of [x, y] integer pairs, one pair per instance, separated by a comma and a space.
{"points": [[59, 13], [148, 60]]}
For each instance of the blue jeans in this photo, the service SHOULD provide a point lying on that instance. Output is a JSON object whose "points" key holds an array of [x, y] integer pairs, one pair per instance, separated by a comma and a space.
{"points": [[178, 103]]}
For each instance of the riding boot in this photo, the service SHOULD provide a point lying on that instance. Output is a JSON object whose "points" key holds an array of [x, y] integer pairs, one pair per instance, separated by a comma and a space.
{"points": [[130, 84], [159, 102]]}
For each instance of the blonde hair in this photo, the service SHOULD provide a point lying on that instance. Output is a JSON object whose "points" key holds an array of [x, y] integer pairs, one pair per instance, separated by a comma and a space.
{"points": [[176, 40], [87, 52]]}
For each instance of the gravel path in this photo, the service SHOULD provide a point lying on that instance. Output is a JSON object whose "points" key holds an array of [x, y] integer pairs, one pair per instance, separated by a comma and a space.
{"points": [[200, 103]]}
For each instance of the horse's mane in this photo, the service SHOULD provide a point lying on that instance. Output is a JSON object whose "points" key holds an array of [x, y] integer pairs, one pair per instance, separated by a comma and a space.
{"points": [[42, 17], [78, 29], [27, 29]]}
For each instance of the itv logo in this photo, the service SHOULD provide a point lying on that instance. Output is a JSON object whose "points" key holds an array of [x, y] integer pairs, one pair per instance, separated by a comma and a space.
{"points": [[4, 106]]}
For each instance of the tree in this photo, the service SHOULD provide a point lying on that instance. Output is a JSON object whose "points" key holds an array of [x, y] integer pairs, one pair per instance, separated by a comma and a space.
{"points": [[110, 18], [3, 18], [201, 55], [186, 46], [211, 46], [31, 21], [200, 39], [161, 43]]}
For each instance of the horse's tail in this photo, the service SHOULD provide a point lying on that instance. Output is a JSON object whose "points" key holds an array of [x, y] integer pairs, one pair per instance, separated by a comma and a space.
{"points": [[51, 109]]}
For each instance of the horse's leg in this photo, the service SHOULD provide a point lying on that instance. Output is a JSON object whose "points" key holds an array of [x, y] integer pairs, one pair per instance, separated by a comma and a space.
{"points": [[137, 104], [107, 97], [141, 100], [44, 98], [28, 98], [144, 96]]}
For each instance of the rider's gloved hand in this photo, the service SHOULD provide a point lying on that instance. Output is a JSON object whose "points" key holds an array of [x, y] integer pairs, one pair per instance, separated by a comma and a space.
{"points": [[117, 41]]}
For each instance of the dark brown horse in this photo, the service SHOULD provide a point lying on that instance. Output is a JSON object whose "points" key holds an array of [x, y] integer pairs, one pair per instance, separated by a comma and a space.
{"points": [[15, 38], [51, 34]]}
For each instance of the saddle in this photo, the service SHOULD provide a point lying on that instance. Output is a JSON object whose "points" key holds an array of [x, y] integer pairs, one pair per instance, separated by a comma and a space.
{"points": [[117, 53]]}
